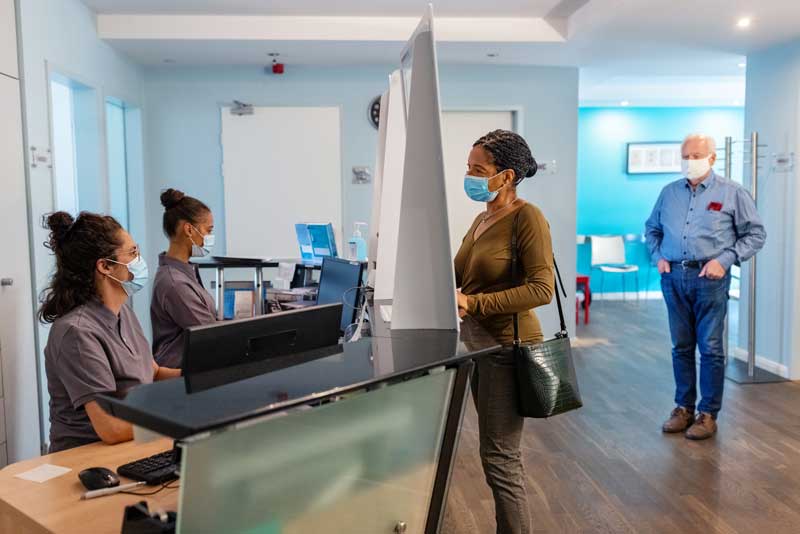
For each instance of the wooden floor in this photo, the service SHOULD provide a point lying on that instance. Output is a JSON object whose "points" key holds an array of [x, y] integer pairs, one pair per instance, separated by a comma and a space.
{"points": [[608, 467]]}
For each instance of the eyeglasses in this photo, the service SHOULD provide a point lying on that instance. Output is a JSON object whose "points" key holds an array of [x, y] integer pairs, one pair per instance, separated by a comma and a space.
{"points": [[134, 252]]}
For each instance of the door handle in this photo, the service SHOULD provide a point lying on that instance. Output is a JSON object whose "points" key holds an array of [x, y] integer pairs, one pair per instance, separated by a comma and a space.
{"points": [[6, 282]]}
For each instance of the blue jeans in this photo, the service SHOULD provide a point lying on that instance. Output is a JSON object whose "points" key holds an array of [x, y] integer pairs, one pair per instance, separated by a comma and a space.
{"points": [[697, 309]]}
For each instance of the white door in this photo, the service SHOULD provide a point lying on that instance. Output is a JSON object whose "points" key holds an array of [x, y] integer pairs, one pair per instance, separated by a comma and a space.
{"points": [[280, 166], [17, 347], [460, 129]]}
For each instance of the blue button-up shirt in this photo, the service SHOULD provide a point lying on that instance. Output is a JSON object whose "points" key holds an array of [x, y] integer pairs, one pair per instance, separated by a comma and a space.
{"points": [[718, 220]]}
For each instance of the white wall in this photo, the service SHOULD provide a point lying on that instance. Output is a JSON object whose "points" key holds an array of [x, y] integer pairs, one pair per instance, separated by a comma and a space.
{"points": [[183, 133], [773, 109], [61, 35]]}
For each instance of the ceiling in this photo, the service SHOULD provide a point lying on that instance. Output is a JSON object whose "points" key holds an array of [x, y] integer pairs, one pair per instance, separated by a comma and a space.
{"points": [[644, 51], [364, 8]]}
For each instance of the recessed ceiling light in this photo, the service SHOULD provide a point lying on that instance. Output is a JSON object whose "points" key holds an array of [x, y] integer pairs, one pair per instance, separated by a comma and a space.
{"points": [[624, 103], [744, 22], [742, 65]]}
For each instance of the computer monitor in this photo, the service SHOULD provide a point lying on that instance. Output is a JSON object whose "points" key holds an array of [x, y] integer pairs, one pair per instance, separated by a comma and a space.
{"points": [[323, 240], [304, 241], [230, 351], [316, 241], [340, 282]]}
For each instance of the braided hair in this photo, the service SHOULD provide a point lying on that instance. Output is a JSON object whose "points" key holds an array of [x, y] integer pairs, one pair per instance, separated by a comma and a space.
{"points": [[77, 245], [509, 150], [178, 206]]}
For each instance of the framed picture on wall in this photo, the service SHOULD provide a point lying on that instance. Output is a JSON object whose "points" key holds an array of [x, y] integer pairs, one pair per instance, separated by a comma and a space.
{"points": [[654, 158]]}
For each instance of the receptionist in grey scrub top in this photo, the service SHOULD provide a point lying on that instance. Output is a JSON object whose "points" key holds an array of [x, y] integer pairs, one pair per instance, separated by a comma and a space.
{"points": [[179, 298], [96, 345]]}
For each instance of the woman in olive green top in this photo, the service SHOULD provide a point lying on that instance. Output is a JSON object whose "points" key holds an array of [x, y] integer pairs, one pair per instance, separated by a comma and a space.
{"points": [[498, 162]]}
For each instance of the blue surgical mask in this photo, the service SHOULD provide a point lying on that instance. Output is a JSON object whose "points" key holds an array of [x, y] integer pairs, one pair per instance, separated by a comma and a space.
{"points": [[138, 268], [199, 251], [477, 188]]}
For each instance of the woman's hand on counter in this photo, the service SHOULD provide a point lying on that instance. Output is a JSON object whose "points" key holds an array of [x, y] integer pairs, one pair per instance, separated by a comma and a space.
{"points": [[164, 373]]}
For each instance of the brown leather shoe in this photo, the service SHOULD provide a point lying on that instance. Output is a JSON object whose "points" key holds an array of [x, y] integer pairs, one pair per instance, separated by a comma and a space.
{"points": [[679, 420], [703, 428]]}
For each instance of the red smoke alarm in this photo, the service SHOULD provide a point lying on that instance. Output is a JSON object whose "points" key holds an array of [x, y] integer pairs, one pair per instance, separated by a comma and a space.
{"points": [[277, 68]]}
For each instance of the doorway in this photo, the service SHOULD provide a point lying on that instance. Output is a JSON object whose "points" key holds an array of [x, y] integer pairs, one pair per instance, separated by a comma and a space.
{"points": [[75, 128]]}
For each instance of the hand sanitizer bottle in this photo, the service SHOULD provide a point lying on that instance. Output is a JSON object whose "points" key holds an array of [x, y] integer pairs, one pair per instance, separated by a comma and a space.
{"points": [[356, 246]]}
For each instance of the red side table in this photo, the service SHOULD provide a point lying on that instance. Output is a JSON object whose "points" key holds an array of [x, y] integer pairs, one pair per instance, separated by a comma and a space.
{"points": [[582, 279]]}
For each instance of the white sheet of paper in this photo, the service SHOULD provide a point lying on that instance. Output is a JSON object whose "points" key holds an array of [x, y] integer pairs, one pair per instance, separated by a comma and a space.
{"points": [[281, 283], [43, 473], [286, 270], [242, 304]]}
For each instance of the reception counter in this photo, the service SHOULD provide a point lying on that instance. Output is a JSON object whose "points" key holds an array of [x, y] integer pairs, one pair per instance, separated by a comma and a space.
{"points": [[357, 439]]}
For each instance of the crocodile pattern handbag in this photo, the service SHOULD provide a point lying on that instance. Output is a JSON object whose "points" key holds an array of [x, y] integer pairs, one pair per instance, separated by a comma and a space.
{"points": [[545, 371]]}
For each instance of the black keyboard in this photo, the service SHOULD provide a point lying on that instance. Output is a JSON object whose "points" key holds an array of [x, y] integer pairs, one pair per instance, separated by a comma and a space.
{"points": [[154, 470]]}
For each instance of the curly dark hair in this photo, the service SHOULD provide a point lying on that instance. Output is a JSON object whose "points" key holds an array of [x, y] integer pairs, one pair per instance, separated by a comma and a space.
{"points": [[178, 206], [77, 245], [509, 151]]}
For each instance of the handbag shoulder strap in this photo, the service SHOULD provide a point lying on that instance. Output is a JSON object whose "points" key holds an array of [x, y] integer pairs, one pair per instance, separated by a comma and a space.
{"points": [[558, 282]]}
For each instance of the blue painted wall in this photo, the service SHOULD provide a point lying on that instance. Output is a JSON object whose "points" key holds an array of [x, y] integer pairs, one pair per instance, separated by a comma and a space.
{"points": [[773, 110], [612, 202], [182, 132]]}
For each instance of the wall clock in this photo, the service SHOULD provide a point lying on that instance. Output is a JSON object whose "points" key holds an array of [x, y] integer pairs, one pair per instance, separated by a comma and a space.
{"points": [[374, 112]]}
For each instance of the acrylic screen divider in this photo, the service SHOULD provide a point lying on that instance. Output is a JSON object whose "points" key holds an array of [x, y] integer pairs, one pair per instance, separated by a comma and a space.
{"points": [[365, 463]]}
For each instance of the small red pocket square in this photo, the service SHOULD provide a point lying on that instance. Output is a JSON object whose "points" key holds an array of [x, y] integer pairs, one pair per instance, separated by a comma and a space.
{"points": [[714, 206]]}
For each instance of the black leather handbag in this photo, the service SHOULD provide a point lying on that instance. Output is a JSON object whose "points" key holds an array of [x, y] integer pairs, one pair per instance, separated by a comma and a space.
{"points": [[546, 377]]}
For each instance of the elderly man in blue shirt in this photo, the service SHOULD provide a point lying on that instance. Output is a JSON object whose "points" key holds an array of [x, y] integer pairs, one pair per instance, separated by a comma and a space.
{"points": [[700, 226]]}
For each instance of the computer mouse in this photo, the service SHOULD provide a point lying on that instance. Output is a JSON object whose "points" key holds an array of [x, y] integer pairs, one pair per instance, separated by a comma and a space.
{"points": [[98, 478]]}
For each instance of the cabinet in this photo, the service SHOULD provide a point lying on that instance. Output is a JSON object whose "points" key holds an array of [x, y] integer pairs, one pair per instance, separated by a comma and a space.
{"points": [[8, 39], [19, 422]]}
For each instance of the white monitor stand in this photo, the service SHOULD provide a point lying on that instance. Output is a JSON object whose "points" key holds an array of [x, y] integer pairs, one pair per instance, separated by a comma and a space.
{"points": [[424, 281]]}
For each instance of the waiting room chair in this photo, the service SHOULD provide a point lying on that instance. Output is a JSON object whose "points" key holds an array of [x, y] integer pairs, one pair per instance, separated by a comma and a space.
{"points": [[608, 256]]}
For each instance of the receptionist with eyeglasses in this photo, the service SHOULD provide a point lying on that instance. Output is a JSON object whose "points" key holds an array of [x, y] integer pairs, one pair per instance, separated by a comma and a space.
{"points": [[96, 345]]}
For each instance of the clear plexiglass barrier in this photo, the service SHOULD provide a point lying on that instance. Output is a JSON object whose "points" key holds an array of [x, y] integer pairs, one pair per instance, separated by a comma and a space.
{"points": [[362, 464]]}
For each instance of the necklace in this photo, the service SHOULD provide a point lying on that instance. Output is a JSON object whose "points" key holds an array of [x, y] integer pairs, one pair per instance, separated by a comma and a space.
{"points": [[490, 215]]}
